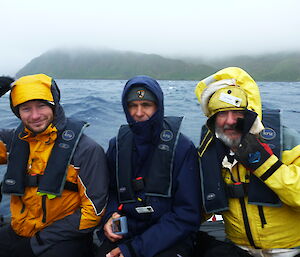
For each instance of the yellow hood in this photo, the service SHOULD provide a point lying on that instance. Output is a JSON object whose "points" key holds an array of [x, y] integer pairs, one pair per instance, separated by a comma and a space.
{"points": [[38, 87], [32, 87], [229, 89]]}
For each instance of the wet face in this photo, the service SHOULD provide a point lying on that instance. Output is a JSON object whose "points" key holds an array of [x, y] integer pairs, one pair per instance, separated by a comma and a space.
{"points": [[225, 125], [141, 110], [36, 115]]}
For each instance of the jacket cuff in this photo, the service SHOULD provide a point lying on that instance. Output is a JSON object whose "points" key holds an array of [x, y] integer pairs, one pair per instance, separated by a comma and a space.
{"points": [[127, 250], [268, 168]]}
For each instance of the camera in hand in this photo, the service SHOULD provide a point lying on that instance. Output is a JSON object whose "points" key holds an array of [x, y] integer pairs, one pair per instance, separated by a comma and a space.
{"points": [[119, 226]]}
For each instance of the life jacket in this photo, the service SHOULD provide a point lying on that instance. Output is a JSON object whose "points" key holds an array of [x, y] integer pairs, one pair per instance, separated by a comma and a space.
{"points": [[158, 178], [212, 152], [53, 181]]}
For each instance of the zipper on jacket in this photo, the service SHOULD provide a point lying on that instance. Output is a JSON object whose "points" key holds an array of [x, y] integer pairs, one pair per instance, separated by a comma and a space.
{"points": [[262, 216], [23, 205], [44, 198]]}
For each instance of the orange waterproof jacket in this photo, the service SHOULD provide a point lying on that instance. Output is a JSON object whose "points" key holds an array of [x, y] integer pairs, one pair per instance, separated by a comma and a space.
{"points": [[47, 218]]}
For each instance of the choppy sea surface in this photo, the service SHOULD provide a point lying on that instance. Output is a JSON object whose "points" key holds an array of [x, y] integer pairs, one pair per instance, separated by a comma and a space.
{"points": [[99, 103]]}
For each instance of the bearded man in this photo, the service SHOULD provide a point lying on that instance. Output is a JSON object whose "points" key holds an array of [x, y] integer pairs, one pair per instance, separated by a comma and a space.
{"points": [[250, 166]]}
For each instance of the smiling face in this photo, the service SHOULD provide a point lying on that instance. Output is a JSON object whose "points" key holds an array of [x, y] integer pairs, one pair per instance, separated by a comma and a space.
{"points": [[225, 126], [36, 115], [141, 110]]}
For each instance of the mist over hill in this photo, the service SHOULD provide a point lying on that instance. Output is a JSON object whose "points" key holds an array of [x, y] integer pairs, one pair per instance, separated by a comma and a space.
{"points": [[110, 64]]}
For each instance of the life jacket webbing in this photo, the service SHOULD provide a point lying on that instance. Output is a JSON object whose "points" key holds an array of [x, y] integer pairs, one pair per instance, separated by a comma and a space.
{"points": [[54, 178], [33, 181], [160, 166]]}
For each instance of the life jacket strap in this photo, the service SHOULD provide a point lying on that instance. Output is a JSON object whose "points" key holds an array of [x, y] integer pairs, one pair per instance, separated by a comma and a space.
{"points": [[138, 184], [237, 190], [33, 181]]}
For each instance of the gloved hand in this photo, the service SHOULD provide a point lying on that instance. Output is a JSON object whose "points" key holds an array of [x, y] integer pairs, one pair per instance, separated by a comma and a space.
{"points": [[22, 248], [252, 153], [5, 84]]}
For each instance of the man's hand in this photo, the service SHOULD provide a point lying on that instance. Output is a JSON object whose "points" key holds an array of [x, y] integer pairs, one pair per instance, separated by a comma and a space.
{"points": [[115, 253], [252, 153], [5, 84], [108, 229]]}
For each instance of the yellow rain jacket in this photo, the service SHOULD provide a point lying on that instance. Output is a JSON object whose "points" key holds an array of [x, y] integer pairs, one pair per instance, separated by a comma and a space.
{"points": [[249, 224], [43, 216]]}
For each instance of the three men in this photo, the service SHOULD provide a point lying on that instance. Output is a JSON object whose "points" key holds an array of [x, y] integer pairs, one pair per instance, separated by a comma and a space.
{"points": [[250, 171], [154, 179], [57, 176]]}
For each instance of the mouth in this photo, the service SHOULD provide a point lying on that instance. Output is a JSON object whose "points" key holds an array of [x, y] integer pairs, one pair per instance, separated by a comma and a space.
{"points": [[231, 130], [37, 123]]}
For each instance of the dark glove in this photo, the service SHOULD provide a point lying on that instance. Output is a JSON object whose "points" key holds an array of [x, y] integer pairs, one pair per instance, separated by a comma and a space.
{"points": [[252, 153], [5, 84], [22, 248]]}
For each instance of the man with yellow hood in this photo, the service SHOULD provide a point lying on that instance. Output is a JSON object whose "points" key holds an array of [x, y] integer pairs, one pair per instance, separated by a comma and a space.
{"points": [[56, 175], [250, 166]]}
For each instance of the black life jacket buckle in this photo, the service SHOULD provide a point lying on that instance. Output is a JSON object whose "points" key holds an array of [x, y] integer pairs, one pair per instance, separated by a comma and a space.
{"points": [[32, 180], [138, 184], [237, 190]]}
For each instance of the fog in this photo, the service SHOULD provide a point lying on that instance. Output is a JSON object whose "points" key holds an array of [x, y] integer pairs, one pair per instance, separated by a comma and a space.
{"points": [[191, 28]]}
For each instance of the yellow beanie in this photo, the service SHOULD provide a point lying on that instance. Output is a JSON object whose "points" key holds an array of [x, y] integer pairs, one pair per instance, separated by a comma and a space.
{"points": [[32, 87]]}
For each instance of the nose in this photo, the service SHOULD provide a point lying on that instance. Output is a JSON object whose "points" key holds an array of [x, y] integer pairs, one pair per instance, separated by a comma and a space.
{"points": [[231, 118], [139, 111], [35, 114]]}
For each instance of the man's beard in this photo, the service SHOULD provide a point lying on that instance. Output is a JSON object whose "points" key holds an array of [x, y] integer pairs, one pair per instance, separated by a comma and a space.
{"points": [[231, 143]]}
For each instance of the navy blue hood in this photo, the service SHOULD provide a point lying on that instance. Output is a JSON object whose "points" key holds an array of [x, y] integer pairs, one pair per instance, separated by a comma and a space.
{"points": [[145, 133], [149, 84], [156, 121]]}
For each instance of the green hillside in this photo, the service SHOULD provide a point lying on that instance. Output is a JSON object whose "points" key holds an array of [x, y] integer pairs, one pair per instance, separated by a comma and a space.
{"points": [[272, 67], [112, 65], [92, 64]]}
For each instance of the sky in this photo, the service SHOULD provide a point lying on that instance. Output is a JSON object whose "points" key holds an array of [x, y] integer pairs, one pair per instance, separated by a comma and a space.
{"points": [[172, 28]]}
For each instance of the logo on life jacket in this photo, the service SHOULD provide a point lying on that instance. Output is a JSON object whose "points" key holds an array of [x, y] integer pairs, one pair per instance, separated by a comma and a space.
{"points": [[140, 93], [211, 196], [272, 146], [122, 189], [64, 146], [68, 135], [10, 182], [268, 134], [166, 135], [163, 147]]}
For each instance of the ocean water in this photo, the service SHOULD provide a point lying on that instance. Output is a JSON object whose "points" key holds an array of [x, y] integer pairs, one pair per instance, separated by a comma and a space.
{"points": [[99, 103]]}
